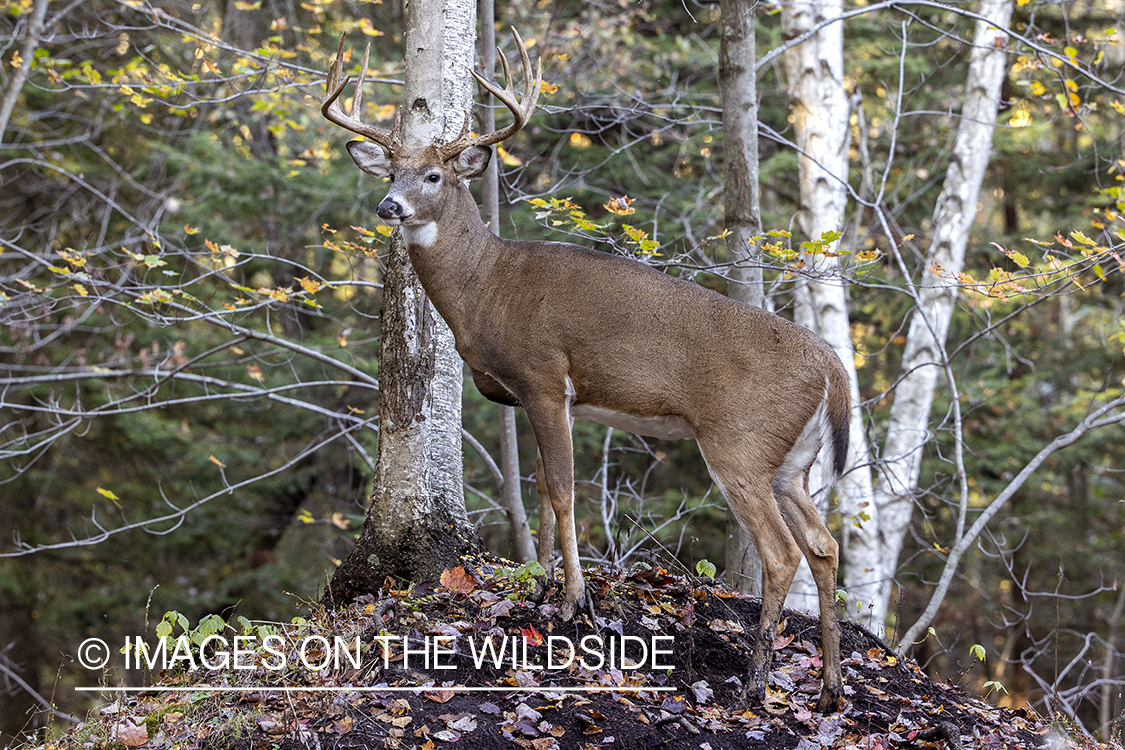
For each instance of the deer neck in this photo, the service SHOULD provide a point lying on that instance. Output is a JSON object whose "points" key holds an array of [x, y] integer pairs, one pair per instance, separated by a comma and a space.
{"points": [[451, 254]]}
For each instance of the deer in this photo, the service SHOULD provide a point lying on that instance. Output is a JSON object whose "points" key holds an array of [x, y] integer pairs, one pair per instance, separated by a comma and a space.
{"points": [[567, 332]]}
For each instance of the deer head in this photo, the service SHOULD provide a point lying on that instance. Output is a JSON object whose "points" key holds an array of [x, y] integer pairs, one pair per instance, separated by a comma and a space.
{"points": [[421, 176]]}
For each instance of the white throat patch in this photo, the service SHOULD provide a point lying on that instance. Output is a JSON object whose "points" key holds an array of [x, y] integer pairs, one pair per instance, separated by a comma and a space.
{"points": [[424, 235]]}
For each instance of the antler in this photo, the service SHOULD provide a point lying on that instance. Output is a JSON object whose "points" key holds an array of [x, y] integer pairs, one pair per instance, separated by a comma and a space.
{"points": [[331, 110], [521, 108]]}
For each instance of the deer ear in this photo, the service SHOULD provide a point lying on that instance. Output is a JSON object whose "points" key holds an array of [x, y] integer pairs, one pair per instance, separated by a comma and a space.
{"points": [[370, 157], [471, 162]]}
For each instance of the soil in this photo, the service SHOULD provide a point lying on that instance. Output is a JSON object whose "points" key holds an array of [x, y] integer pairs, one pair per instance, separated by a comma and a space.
{"points": [[686, 695]]}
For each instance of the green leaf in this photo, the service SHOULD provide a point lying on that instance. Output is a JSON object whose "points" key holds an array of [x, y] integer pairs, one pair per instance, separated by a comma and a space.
{"points": [[977, 651], [705, 568]]}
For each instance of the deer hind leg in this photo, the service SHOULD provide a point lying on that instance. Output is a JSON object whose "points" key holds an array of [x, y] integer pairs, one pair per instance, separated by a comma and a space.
{"points": [[822, 552], [555, 481], [745, 483]]}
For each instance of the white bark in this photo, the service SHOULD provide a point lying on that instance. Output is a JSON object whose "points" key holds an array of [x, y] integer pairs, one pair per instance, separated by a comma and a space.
{"points": [[34, 32], [417, 524], [818, 105], [871, 570], [440, 41]]}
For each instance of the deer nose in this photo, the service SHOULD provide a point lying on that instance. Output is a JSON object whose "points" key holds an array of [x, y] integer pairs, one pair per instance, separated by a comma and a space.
{"points": [[389, 209]]}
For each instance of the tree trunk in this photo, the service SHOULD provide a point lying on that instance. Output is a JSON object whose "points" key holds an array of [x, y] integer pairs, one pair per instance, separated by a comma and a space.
{"points": [[743, 220], [511, 499], [417, 525], [871, 569], [819, 107], [11, 92]]}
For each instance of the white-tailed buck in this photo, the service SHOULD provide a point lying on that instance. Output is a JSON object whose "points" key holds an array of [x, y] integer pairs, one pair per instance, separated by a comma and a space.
{"points": [[567, 332]]}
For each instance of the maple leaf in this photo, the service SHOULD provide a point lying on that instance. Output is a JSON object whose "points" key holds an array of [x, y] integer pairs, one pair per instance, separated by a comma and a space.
{"points": [[532, 636]]}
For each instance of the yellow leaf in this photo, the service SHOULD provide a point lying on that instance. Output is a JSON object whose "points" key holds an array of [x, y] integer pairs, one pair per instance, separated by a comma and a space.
{"points": [[579, 140], [310, 285], [547, 88], [621, 206], [217, 462], [1038, 89], [190, 230], [17, 59], [108, 494], [508, 159], [305, 517], [255, 372], [81, 290], [209, 67], [339, 521], [368, 30], [1078, 236]]}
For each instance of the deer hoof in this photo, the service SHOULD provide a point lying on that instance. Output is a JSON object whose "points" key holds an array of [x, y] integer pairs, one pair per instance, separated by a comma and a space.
{"points": [[539, 588], [749, 694], [829, 702], [570, 608]]}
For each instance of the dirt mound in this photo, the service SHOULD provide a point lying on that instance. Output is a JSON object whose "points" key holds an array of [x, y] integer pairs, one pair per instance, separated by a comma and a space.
{"points": [[472, 662]]}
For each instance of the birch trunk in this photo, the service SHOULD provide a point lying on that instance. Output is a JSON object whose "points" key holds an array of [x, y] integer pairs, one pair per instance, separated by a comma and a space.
{"points": [[818, 105], [871, 570], [743, 219], [32, 36], [417, 525]]}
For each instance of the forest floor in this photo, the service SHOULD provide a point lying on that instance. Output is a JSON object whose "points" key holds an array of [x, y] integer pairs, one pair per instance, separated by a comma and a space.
{"points": [[686, 645]]}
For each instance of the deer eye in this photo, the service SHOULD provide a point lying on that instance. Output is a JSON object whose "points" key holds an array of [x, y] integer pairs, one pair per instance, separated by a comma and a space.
{"points": [[435, 177]]}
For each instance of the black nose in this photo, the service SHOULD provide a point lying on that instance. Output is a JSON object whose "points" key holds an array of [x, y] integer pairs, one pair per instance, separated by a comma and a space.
{"points": [[388, 209]]}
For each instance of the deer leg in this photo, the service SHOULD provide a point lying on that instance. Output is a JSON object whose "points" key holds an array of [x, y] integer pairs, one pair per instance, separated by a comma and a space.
{"points": [[743, 482], [555, 474], [822, 552], [546, 541]]}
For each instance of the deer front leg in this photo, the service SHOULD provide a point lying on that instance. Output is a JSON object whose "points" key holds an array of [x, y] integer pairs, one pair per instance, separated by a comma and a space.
{"points": [[546, 547], [555, 481]]}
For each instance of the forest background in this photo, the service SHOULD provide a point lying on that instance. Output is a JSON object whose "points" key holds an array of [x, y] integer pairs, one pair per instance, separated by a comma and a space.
{"points": [[191, 276]]}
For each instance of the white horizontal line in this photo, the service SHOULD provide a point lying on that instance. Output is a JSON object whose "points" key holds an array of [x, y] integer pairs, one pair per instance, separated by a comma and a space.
{"points": [[431, 689]]}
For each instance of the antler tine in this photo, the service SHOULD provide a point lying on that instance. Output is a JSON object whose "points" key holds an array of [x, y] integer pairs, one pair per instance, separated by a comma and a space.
{"points": [[357, 98], [332, 112], [521, 108]]}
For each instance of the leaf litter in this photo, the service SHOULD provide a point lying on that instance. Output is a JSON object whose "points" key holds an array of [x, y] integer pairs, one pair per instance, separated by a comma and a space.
{"points": [[530, 698]]}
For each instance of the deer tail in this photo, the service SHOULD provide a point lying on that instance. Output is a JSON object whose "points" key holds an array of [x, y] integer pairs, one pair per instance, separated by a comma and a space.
{"points": [[839, 401]]}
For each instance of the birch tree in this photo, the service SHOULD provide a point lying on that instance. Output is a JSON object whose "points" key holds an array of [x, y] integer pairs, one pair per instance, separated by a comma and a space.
{"points": [[871, 567], [818, 106], [417, 525]]}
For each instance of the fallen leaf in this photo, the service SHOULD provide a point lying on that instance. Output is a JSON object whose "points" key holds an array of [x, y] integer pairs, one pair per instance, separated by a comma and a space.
{"points": [[133, 735], [457, 580]]}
